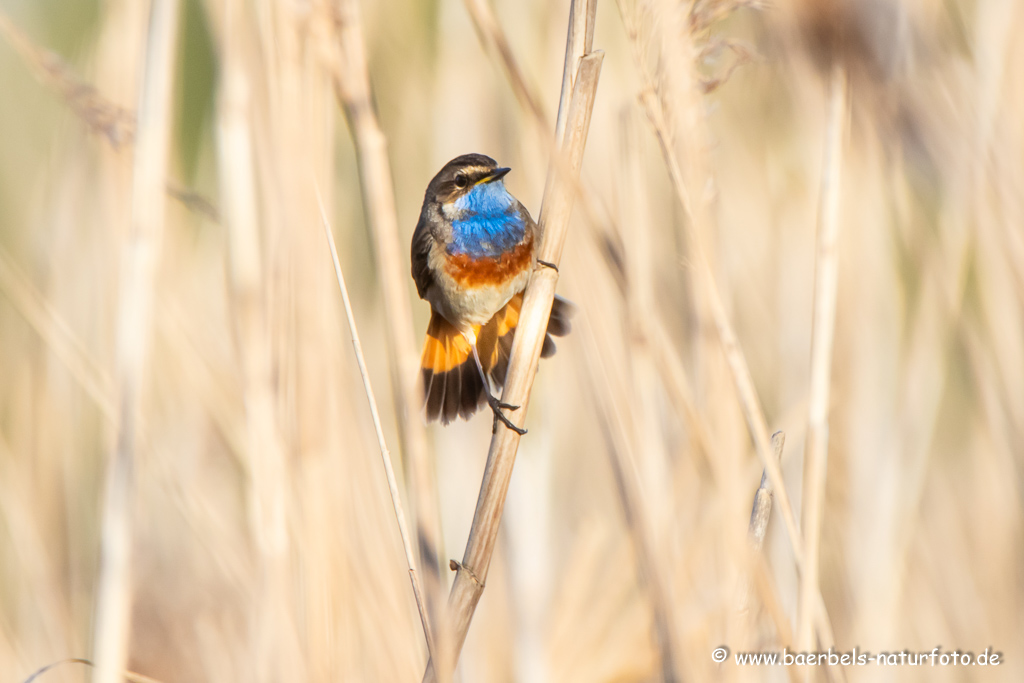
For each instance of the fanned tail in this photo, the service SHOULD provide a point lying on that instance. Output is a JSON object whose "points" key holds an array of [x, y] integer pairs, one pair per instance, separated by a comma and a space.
{"points": [[451, 382]]}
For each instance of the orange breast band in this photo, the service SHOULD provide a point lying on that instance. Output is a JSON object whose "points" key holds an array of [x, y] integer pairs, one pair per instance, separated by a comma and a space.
{"points": [[477, 272]]}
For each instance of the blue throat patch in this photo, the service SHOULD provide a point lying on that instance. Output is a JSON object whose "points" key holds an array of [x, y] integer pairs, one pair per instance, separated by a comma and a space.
{"points": [[489, 224]]}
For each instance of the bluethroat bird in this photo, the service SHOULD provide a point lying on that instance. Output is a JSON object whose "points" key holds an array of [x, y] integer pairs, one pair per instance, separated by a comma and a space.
{"points": [[473, 251]]}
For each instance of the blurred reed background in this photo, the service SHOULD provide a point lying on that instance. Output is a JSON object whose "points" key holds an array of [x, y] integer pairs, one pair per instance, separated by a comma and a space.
{"points": [[263, 543]]}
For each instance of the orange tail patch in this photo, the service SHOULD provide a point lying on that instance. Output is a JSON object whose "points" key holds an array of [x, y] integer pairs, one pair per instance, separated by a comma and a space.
{"points": [[451, 381]]}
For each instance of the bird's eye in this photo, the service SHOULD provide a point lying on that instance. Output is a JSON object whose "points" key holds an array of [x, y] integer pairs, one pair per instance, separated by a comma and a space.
{"points": [[461, 180]]}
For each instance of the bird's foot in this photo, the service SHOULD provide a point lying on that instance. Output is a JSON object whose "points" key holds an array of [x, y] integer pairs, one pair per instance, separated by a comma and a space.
{"points": [[496, 407], [550, 265]]}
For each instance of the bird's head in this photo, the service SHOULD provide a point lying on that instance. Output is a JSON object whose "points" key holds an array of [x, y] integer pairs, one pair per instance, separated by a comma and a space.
{"points": [[470, 183]]}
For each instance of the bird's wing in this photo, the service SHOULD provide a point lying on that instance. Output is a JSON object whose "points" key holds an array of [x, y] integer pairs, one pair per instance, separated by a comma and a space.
{"points": [[422, 242], [531, 225]]}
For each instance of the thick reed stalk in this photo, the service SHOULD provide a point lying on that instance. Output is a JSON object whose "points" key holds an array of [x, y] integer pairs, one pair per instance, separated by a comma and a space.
{"points": [[139, 261], [554, 221], [389, 471], [822, 335], [352, 83], [264, 448]]}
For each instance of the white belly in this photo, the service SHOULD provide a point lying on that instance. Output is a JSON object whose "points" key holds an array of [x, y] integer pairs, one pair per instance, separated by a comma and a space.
{"points": [[467, 306]]}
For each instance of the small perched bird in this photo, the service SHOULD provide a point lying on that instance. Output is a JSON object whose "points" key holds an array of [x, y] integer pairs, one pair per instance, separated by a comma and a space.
{"points": [[473, 251]]}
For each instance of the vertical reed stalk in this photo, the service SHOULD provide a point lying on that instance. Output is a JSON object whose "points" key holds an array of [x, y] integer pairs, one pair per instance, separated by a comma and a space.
{"points": [[265, 448], [583, 69], [823, 333], [139, 262]]}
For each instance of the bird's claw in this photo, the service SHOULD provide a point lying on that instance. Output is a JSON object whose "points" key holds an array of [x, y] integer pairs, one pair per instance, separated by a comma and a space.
{"points": [[550, 265], [496, 407]]}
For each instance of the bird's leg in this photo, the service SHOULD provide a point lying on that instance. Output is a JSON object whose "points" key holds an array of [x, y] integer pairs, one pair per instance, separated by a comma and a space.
{"points": [[492, 401], [550, 265]]}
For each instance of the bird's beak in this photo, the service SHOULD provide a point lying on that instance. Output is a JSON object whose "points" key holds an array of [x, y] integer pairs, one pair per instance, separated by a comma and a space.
{"points": [[496, 174]]}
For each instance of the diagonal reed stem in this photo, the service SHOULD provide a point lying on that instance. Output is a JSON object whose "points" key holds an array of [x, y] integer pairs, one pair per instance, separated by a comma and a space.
{"points": [[396, 500], [749, 401], [556, 209], [735, 358], [352, 84], [623, 458]]}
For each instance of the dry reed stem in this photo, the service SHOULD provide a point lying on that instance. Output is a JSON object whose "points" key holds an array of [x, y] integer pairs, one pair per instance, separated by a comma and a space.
{"points": [[352, 83], [745, 389], [140, 259], [675, 380], [490, 32], [739, 369], [635, 504], [580, 34], [635, 236], [582, 15], [638, 454], [580, 37], [822, 336], [581, 22], [680, 391], [385, 455], [265, 442], [554, 221], [578, 43], [727, 338]]}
